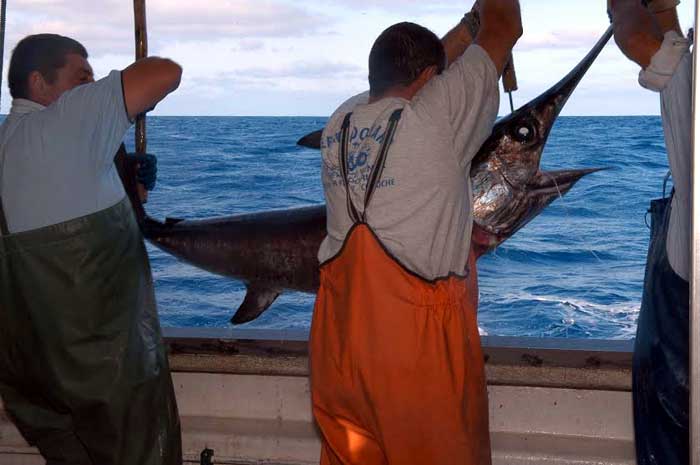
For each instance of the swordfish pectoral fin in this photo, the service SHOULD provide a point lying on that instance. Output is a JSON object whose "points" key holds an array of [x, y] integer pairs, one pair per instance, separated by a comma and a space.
{"points": [[257, 299]]}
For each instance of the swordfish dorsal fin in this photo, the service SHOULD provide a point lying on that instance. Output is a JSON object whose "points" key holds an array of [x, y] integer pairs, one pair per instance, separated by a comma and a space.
{"points": [[258, 298], [311, 140]]}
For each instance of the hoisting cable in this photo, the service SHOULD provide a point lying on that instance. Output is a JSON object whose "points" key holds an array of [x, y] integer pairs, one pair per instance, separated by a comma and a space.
{"points": [[510, 81]]}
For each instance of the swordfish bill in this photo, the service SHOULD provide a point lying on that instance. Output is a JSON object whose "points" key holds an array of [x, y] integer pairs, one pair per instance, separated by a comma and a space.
{"points": [[274, 251]]}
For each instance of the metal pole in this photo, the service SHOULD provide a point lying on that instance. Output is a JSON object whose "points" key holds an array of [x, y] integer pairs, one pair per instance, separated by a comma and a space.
{"points": [[141, 45], [695, 264], [3, 9]]}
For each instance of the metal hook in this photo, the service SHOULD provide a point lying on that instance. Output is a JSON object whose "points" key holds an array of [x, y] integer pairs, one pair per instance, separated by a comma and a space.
{"points": [[666, 178]]}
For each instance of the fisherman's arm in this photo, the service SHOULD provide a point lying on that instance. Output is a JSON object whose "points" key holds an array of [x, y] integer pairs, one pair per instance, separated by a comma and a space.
{"points": [[147, 82], [636, 31], [101, 112], [465, 98], [500, 29], [667, 19], [639, 30], [462, 35], [651, 37]]}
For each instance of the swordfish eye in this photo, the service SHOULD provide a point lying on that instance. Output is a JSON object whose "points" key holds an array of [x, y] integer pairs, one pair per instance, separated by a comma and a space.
{"points": [[523, 132]]}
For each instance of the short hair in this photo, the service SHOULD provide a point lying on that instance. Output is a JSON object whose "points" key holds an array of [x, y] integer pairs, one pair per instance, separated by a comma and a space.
{"points": [[45, 53], [400, 54]]}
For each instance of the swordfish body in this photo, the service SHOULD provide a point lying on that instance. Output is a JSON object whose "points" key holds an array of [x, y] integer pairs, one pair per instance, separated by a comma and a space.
{"points": [[274, 251]]}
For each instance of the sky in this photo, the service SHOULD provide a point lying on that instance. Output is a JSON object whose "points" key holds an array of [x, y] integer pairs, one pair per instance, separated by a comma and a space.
{"points": [[304, 57]]}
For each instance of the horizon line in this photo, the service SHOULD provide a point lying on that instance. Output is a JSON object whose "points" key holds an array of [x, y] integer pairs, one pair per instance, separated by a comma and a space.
{"points": [[328, 116]]}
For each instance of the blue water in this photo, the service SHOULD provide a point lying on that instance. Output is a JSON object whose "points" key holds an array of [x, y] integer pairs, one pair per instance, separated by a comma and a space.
{"points": [[575, 271]]}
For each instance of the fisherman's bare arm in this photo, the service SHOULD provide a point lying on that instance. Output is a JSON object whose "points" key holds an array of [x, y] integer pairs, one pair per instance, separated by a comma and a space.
{"points": [[668, 21], [147, 82], [501, 27], [636, 31], [460, 37], [639, 31]]}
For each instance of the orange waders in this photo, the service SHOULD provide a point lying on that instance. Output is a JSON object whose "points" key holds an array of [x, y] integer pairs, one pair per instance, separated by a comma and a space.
{"points": [[397, 372]]}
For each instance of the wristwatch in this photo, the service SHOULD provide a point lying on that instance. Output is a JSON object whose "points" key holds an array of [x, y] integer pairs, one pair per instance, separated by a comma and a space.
{"points": [[471, 21]]}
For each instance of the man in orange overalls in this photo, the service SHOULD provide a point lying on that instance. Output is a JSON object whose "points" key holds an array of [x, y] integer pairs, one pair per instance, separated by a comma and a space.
{"points": [[397, 372]]}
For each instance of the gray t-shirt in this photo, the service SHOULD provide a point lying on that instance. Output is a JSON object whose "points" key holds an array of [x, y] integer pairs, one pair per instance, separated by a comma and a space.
{"points": [[670, 73], [676, 114], [57, 162], [422, 207]]}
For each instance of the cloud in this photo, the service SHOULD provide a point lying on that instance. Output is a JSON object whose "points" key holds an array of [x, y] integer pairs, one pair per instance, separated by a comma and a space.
{"points": [[249, 45], [559, 39], [401, 5], [302, 77], [106, 26], [309, 70], [232, 18]]}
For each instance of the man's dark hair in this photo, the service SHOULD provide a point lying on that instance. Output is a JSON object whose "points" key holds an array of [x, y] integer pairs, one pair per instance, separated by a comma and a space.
{"points": [[400, 54], [45, 53]]}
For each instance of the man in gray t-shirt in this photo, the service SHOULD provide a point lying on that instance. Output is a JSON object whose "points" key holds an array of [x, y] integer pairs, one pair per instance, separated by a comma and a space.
{"points": [[83, 370]]}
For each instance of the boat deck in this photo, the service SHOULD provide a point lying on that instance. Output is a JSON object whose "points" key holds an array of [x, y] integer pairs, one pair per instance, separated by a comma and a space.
{"points": [[245, 395]]}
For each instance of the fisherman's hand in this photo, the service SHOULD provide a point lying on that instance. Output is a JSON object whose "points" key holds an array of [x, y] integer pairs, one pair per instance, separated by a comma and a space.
{"points": [[637, 33], [500, 29], [147, 171], [503, 15]]}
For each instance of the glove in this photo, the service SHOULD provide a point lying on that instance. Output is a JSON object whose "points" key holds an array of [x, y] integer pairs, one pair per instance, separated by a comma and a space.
{"points": [[146, 173]]}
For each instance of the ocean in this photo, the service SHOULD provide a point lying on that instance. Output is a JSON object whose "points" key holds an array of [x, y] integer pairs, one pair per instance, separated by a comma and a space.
{"points": [[575, 271]]}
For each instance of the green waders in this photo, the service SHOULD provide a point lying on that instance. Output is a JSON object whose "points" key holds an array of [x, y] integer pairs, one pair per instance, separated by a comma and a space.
{"points": [[83, 370]]}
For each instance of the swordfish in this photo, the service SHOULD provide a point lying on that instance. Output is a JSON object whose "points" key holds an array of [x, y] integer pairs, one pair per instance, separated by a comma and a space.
{"points": [[274, 251]]}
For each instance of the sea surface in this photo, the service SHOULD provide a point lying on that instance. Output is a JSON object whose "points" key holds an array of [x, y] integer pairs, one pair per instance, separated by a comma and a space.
{"points": [[575, 271]]}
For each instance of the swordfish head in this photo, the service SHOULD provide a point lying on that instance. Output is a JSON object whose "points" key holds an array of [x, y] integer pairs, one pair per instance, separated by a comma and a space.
{"points": [[508, 186]]}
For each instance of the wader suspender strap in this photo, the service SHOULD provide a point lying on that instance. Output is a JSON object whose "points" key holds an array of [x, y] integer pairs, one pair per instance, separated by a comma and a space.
{"points": [[352, 211], [4, 231], [381, 159], [376, 174]]}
